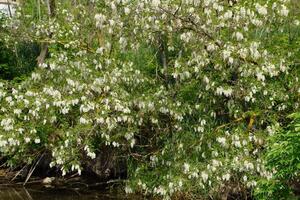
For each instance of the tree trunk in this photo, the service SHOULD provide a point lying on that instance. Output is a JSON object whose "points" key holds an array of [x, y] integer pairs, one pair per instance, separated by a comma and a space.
{"points": [[44, 46], [163, 55]]}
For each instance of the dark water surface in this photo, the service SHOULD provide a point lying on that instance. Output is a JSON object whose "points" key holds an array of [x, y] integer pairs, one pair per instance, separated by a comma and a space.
{"points": [[20, 193]]}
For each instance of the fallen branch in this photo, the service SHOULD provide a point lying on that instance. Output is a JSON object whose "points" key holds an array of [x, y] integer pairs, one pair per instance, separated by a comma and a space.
{"points": [[33, 168]]}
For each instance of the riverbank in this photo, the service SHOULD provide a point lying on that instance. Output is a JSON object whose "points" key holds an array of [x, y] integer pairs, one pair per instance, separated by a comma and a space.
{"points": [[102, 177], [13, 186], [37, 193], [13, 178]]}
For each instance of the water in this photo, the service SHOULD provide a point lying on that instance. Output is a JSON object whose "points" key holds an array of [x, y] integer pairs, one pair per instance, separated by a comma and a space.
{"points": [[21, 193]]}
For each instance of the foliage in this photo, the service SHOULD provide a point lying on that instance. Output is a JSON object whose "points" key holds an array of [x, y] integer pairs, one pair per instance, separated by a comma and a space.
{"points": [[17, 63], [188, 91], [283, 159], [17, 60]]}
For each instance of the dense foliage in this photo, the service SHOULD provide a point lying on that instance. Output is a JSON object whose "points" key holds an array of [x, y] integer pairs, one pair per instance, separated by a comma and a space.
{"points": [[18, 63], [188, 91], [283, 159], [17, 60]]}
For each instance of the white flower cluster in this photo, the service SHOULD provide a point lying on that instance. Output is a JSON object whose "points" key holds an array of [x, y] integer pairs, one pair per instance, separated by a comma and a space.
{"points": [[90, 154]]}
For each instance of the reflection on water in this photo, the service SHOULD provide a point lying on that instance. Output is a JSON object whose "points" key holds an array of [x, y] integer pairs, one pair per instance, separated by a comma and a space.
{"points": [[51, 194]]}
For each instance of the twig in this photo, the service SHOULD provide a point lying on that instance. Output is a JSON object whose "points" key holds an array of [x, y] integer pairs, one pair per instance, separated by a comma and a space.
{"points": [[33, 168], [28, 194], [234, 121], [18, 173], [20, 183], [17, 193]]}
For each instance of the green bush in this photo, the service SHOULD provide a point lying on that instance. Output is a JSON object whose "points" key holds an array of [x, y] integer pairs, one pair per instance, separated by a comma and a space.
{"points": [[283, 160]]}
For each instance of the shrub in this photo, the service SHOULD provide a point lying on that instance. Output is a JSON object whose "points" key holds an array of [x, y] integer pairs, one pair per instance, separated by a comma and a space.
{"points": [[283, 160], [187, 91]]}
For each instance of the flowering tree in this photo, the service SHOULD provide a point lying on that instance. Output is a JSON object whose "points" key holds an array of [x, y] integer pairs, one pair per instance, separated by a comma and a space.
{"points": [[187, 90]]}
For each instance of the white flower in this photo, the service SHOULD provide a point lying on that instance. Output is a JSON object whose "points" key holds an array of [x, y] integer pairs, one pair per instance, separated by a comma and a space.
{"points": [[204, 176], [92, 155], [248, 165], [83, 120], [260, 76], [284, 11], [128, 190], [239, 36], [3, 143], [155, 3], [8, 99], [226, 54], [226, 177], [115, 144], [257, 22], [43, 65], [64, 172], [7, 124], [222, 140], [243, 11], [37, 140], [17, 111], [245, 178], [225, 92], [100, 19], [262, 10], [254, 50], [237, 144], [132, 143], [228, 14], [100, 50], [211, 47], [126, 10], [52, 164], [186, 168], [35, 76], [27, 139], [180, 184], [65, 110]]}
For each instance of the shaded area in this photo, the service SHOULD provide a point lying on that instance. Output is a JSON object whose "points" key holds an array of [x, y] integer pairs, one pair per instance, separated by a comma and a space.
{"points": [[37, 193], [19, 62]]}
